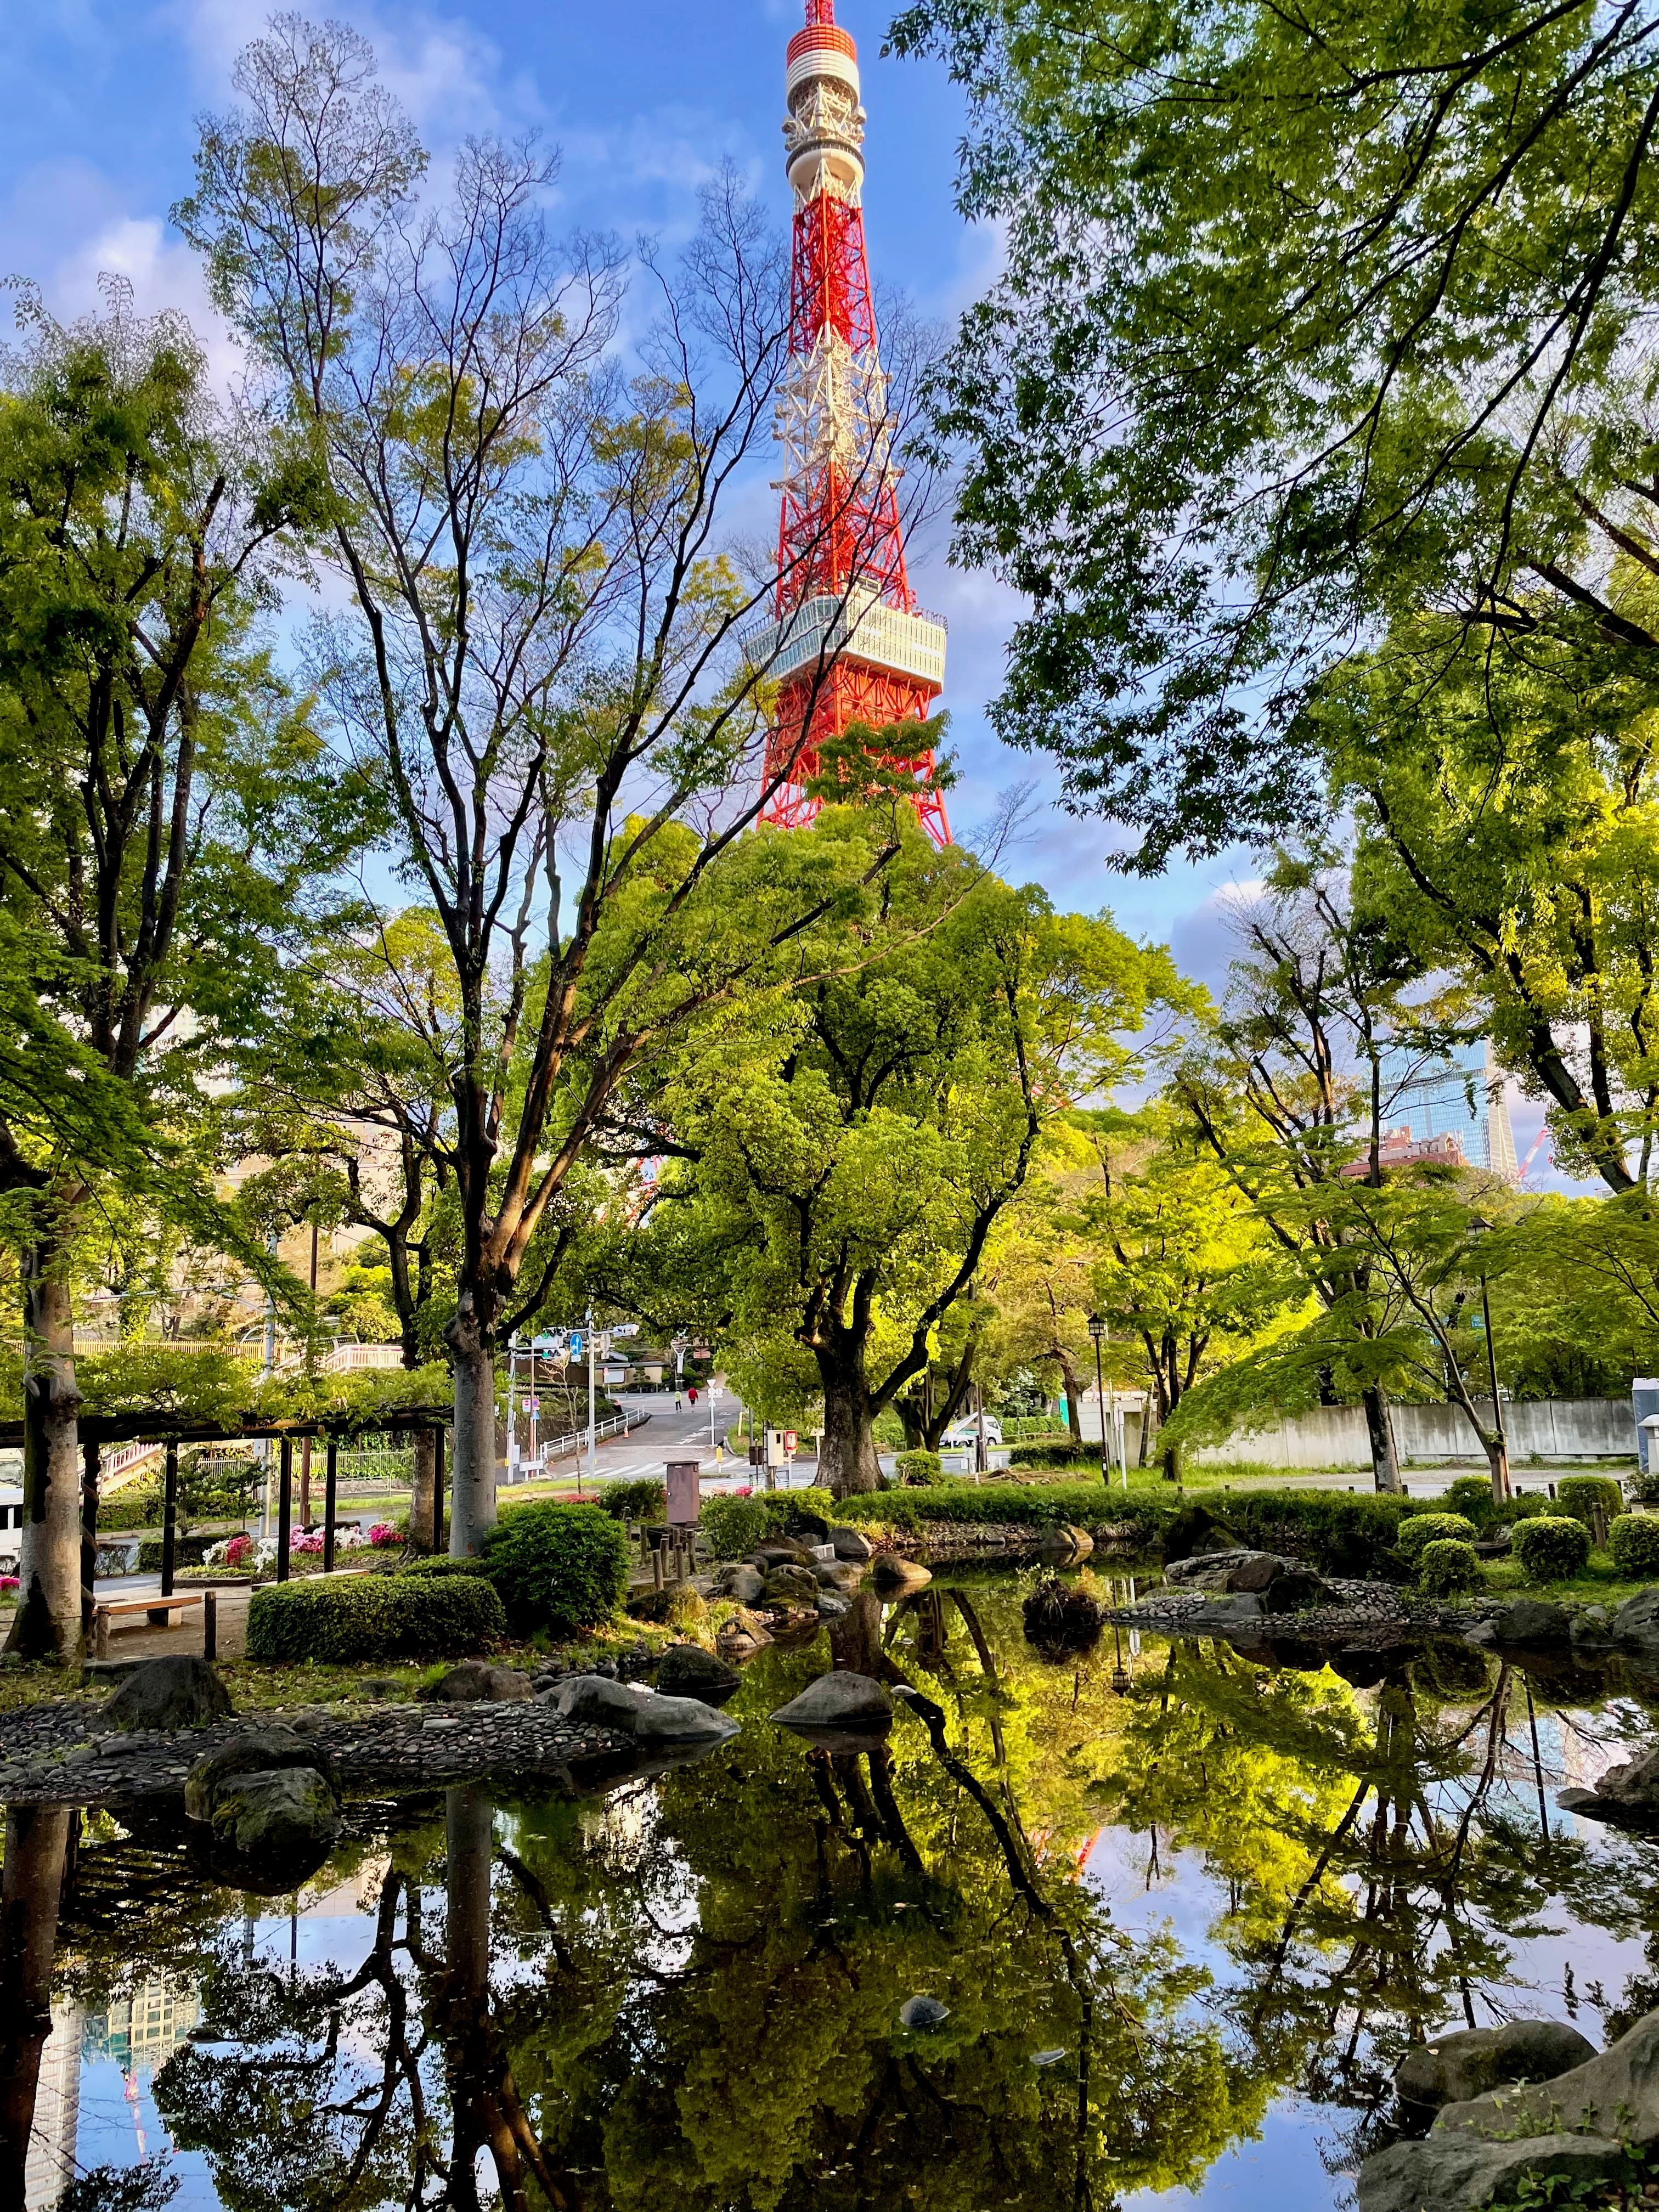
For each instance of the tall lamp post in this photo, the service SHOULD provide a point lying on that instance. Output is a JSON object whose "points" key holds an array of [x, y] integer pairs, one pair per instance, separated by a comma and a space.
{"points": [[1097, 1331], [1479, 1232]]}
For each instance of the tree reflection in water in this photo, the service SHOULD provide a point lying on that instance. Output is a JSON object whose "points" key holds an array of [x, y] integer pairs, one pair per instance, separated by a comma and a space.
{"points": [[686, 1995]]}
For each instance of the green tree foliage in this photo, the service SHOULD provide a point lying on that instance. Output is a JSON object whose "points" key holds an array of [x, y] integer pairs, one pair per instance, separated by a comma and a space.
{"points": [[1506, 799], [856, 1148], [171, 816], [1306, 319]]}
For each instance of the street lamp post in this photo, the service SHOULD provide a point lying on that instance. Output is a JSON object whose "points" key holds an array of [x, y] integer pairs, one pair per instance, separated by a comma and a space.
{"points": [[1098, 1330], [1479, 1230]]}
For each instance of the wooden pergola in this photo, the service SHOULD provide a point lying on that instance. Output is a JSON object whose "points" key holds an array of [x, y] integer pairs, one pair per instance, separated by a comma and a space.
{"points": [[170, 1431]]}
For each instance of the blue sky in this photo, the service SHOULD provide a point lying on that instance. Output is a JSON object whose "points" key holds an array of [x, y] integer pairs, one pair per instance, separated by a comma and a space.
{"points": [[644, 99]]}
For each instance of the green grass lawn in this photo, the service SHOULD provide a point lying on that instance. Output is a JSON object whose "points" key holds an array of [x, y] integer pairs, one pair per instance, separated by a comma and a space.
{"points": [[1600, 1584]]}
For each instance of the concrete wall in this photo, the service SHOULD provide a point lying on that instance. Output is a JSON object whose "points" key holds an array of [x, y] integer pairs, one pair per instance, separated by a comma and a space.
{"points": [[1433, 1435]]}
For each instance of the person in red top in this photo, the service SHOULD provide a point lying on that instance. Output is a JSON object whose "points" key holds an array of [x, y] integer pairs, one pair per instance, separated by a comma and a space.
{"points": [[692, 1393]]}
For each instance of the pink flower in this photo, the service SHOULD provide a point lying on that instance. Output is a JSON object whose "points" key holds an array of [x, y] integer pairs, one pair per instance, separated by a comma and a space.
{"points": [[239, 1550], [384, 1537], [305, 1542], [7, 1582]]}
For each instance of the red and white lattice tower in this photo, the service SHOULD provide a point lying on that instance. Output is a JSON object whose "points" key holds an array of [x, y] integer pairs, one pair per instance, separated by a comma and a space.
{"points": [[847, 641]]}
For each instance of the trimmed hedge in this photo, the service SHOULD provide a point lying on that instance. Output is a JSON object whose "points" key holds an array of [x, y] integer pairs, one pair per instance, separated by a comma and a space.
{"points": [[402, 1616], [557, 1567], [441, 1564], [917, 1469], [1343, 1533], [643, 1498], [733, 1526], [1552, 1548], [1417, 1529], [187, 1551], [1576, 1494], [1447, 1566], [1633, 1539], [1066, 1454]]}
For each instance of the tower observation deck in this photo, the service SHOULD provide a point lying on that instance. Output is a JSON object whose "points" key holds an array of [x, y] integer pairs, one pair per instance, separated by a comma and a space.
{"points": [[846, 640]]}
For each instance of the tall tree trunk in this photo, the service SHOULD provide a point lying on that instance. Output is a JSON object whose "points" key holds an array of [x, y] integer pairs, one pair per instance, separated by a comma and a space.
{"points": [[1385, 1465], [47, 1624], [31, 1892], [1073, 1411], [423, 1532], [847, 1454], [472, 1480]]}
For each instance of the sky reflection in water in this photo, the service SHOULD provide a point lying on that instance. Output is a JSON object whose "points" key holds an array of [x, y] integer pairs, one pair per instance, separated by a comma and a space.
{"points": [[1232, 1896]]}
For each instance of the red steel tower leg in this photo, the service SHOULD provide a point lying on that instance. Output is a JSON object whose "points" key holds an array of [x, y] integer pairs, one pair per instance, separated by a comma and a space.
{"points": [[848, 642]]}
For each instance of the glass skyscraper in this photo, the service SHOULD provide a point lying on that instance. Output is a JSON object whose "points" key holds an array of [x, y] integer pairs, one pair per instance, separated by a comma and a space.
{"points": [[1460, 1096]]}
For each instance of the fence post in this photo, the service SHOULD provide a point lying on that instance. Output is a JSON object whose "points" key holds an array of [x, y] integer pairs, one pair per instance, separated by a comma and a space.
{"points": [[331, 1476], [284, 1505], [438, 1544], [169, 1516], [210, 1624]]}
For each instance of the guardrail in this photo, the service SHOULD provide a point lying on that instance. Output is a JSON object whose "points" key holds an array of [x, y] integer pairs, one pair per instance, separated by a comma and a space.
{"points": [[618, 1424]]}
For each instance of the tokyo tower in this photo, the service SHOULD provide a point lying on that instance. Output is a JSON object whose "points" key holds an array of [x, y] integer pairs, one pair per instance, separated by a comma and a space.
{"points": [[847, 642]]}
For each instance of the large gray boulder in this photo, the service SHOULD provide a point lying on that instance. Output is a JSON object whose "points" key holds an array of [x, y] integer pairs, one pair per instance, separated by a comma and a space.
{"points": [[1532, 1620], [744, 1584], [681, 1725], [280, 1822], [1222, 1615], [1456, 2173], [1059, 1544], [597, 1700], [1637, 1621], [1626, 1794], [839, 1701], [258, 1750], [838, 1574], [686, 1670], [1616, 2093], [175, 1693], [1299, 1589], [1455, 2068], [476, 1682], [851, 1543]]}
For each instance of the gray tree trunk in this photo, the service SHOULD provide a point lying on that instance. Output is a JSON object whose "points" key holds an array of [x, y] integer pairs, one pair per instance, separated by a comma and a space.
{"points": [[472, 1483], [47, 1624]]}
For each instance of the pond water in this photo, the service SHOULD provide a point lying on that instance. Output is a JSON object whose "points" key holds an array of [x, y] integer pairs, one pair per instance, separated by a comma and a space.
{"points": [[1185, 1910]]}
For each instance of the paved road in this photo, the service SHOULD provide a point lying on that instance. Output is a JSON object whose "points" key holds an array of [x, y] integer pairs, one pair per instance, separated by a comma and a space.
{"points": [[668, 1435]]}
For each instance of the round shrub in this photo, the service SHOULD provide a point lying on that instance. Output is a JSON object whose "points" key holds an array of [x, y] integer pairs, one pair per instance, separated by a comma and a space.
{"points": [[558, 1567], [374, 1617], [1551, 1548], [1576, 1495], [917, 1469], [1634, 1538], [645, 1497], [733, 1526], [1471, 1496], [1446, 1565], [1420, 1529]]}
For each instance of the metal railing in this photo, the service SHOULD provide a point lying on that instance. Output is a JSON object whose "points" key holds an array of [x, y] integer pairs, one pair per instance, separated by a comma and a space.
{"points": [[618, 1424]]}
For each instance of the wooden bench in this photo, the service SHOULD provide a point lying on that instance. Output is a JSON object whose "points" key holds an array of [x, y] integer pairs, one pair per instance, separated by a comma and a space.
{"points": [[159, 1612]]}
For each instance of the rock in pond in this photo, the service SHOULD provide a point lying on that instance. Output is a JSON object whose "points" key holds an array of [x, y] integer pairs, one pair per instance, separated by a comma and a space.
{"points": [[258, 1750], [277, 1823], [597, 1699], [1061, 1617], [850, 1544], [791, 1585], [177, 1692], [1616, 2092], [1456, 2173], [1061, 1543], [831, 1605], [741, 1582], [923, 2013], [1467, 2063], [837, 1574], [1637, 1621], [891, 1573], [740, 1635], [476, 1682], [1630, 1789], [839, 1701], [686, 1670], [682, 1724], [1532, 1620]]}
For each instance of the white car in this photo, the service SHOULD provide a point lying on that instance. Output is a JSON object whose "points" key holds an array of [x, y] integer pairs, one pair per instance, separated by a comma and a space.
{"points": [[967, 1432]]}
